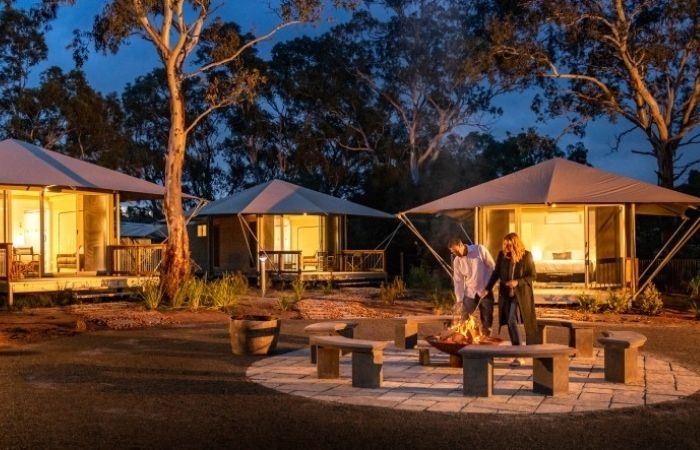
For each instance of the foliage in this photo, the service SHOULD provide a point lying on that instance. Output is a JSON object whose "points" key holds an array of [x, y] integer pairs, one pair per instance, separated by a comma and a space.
{"points": [[588, 303], [694, 287], [631, 60], [650, 301], [151, 293], [327, 287], [192, 293], [223, 293], [392, 291], [420, 278], [285, 302], [617, 301], [299, 288], [442, 300]]}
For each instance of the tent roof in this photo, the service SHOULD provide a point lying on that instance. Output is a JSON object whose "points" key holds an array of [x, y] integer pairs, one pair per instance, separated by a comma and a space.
{"points": [[25, 164], [281, 197], [560, 181], [143, 230]]}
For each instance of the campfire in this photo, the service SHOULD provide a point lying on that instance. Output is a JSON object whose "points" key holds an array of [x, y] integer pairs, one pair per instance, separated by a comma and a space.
{"points": [[462, 332], [459, 334]]}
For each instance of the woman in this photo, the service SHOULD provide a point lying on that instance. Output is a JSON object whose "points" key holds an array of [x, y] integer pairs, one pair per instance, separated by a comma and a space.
{"points": [[515, 269]]}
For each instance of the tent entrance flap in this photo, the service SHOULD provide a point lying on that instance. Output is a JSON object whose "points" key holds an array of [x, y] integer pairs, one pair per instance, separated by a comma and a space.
{"points": [[686, 230], [403, 218]]}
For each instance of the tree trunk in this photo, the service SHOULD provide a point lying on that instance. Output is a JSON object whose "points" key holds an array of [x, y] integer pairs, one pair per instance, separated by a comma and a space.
{"points": [[176, 260], [665, 154]]}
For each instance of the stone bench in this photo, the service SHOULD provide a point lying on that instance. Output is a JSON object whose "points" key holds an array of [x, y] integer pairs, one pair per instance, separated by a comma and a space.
{"points": [[406, 328], [580, 333], [550, 367], [621, 350], [346, 329], [367, 359]]}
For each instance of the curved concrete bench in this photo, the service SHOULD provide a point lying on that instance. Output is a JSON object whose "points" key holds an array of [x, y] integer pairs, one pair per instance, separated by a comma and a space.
{"points": [[621, 349], [367, 359], [580, 334], [346, 329], [550, 367], [406, 328]]}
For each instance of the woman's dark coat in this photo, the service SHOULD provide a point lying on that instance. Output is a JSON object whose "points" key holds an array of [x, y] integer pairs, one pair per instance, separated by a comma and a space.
{"points": [[525, 274]]}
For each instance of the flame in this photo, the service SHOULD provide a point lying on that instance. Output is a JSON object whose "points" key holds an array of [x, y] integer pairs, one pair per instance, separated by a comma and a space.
{"points": [[468, 328]]}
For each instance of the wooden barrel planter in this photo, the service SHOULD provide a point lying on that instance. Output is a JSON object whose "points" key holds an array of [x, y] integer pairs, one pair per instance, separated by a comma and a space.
{"points": [[253, 335]]}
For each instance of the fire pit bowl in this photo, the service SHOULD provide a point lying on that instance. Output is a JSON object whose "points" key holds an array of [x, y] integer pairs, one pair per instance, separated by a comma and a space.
{"points": [[453, 348]]}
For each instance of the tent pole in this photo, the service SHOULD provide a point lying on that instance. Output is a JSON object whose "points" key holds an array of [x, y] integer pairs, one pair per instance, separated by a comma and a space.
{"points": [[402, 217], [686, 237], [666, 244]]}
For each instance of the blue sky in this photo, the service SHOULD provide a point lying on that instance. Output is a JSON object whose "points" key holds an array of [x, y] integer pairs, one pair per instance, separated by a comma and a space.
{"points": [[110, 73]]}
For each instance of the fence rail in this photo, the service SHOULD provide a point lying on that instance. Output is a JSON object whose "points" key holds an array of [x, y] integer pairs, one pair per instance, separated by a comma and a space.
{"points": [[675, 276], [134, 259]]}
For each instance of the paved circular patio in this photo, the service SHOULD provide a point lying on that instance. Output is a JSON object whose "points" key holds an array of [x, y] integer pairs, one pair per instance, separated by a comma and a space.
{"points": [[438, 387]]}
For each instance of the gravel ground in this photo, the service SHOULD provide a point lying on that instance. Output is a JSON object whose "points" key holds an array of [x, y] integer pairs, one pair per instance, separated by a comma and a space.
{"points": [[179, 386]]}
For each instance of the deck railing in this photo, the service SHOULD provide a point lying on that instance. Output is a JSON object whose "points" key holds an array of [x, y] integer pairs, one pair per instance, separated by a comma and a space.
{"points": [[5, 260], [362, 261], [291, 261], [134, 259]]}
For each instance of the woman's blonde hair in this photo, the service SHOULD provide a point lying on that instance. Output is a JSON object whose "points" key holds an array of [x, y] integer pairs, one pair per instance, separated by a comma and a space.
{"points": [[518, 247]]}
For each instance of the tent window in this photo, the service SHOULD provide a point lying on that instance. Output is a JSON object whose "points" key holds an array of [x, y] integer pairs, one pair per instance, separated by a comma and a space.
{"points": [[202, 230]]}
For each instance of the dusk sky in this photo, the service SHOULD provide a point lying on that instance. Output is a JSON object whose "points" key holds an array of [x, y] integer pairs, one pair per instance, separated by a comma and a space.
{"points": [[110, 73]]}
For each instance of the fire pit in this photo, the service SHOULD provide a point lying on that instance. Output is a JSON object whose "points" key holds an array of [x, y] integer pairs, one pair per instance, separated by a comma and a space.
{"points": [[453, 348]]}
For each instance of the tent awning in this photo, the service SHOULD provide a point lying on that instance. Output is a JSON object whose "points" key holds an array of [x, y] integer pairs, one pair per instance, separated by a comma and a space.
{"points": [[560, 181], [25, 164]]}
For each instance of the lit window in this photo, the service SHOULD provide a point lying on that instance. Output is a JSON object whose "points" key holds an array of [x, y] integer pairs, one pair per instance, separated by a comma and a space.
{"points": [[202, 230]]}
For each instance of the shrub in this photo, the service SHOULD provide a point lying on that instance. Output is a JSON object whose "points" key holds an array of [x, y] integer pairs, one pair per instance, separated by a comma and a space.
{"points": [[650, 302], [694, 287], [191, 293], [419, 278], [617, 301], [224, 292], [588, 303], [443, 301], [285, 302], [328, 287], [151, 293], [299, 288], [390, 292]]}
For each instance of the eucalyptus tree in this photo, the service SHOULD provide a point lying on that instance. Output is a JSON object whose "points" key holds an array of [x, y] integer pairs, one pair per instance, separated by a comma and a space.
{"points": [[418, 52], [22, 47], [176, 29], [331, 115], [65, 114], [638, 61]]}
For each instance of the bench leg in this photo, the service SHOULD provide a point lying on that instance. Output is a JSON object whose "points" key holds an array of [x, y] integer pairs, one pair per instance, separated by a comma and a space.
{"points": [[477, 377], [348, 332], [424, 356], [367, 371], [582, 340], [550, 375], [406, 336], [328, 362], [542, 331], [620, 364]]}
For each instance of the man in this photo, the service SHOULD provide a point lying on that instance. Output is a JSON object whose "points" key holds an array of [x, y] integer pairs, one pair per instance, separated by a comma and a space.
{"points": [[472, 266]]}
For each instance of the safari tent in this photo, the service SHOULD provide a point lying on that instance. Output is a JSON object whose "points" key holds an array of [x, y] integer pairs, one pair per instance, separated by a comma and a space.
{"points": [[578, 222], [60, 223], [298, 232]]}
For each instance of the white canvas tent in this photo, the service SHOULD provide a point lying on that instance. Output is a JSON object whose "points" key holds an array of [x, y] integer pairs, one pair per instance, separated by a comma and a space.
{"points": [[295, 226], [566, 185]]}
